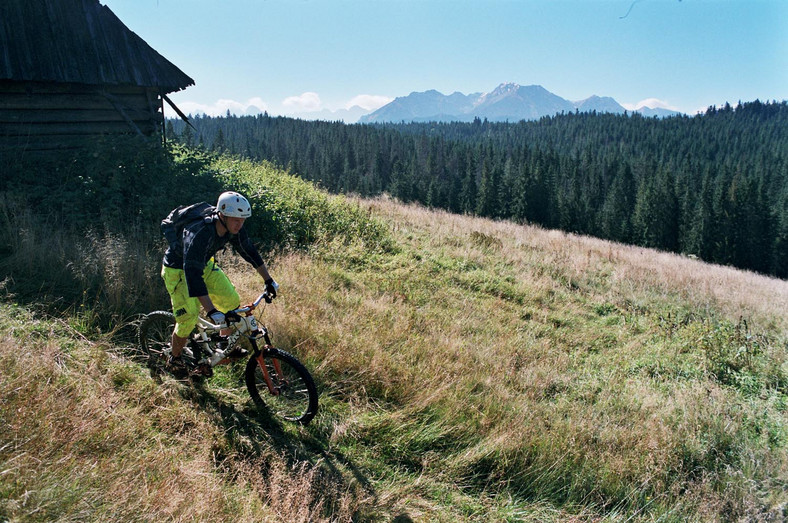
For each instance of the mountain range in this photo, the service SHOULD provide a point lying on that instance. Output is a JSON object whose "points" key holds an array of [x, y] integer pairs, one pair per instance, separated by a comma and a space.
{"points": [[507, 102]]}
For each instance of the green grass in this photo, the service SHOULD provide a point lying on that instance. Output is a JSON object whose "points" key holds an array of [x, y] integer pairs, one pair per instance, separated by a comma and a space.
{"points": [[468, 370], [292, 213]]}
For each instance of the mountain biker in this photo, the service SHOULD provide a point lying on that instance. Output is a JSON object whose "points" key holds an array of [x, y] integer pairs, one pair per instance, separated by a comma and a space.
{"points": [[192, 277]]}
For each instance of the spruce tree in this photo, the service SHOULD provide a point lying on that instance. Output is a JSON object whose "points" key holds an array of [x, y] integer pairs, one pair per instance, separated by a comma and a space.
{"points": [[468, 194]]}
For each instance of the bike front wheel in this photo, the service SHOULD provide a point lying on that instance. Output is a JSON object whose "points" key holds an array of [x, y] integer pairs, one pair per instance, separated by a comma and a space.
{"points": [[292, 395]]}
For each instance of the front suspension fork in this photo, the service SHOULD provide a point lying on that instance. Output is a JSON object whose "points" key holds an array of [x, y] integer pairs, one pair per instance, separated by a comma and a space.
{"points": [[273, 389]]}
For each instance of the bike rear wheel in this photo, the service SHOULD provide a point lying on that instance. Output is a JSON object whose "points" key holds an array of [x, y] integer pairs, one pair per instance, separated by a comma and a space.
{"points": [[155, 336], [296, 395]]}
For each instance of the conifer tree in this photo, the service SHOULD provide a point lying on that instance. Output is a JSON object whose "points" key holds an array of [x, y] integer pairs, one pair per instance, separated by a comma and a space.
{"points": [[187, 136], [218, 142], [655, 218], [468, 193], [699, 238], [779, 260], [617, 209], [487, 203], [519, 196]]}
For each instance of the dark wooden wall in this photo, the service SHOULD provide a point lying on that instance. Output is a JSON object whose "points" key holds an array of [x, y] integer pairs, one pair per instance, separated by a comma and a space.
{"points": [[52, 116]]}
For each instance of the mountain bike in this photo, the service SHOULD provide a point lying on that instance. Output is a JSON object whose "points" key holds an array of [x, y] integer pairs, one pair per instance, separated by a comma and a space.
{"points": [[275, 379]]}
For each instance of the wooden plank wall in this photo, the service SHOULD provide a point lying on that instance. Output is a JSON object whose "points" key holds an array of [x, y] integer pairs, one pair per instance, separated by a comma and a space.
{"points": [[49, 116]]}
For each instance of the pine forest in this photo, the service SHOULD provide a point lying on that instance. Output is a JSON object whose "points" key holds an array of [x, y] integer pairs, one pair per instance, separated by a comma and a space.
{"points": [[714, 185]]}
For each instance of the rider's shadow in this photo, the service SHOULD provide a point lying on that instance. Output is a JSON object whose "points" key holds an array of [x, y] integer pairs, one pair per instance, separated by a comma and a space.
{"points": [[247, 427], [252, 433]]}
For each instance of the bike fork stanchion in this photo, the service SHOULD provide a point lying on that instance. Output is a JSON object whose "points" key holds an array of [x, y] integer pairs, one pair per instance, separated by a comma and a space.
{"points": [[278, 369], [266, 376]]}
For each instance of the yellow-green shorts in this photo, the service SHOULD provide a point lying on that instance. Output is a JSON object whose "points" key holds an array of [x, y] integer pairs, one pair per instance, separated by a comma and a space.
{"points": [[186, 308]]}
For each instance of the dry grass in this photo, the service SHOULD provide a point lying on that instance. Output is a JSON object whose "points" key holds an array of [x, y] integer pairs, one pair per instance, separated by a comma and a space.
{"points": [[88, 436], [559, 368], [99, 270], [633, 272]]}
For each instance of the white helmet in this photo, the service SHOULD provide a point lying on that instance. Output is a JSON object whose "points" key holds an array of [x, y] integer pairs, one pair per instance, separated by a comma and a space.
{"points": [[233, 205]]}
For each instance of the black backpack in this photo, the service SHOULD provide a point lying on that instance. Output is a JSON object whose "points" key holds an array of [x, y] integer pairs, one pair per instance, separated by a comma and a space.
{"points": [[172, 226]]}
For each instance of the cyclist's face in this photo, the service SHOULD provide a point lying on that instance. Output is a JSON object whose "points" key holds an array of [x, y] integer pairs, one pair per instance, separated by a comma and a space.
{"points": [[234, 224]]}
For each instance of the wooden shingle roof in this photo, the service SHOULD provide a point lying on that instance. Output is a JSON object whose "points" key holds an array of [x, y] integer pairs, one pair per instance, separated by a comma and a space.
{"points": [[78, 41]]}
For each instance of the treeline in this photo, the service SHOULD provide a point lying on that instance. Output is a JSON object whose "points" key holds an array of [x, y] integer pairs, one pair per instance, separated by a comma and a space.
{"points": [[714, 185]]}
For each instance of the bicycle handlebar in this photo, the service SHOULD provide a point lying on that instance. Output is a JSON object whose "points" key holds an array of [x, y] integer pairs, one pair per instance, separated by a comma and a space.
{"points": [[264, 296], [241, 310]]}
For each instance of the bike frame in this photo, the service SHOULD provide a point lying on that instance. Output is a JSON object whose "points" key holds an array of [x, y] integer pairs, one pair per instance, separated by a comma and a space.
{"points": [[249, 328]]}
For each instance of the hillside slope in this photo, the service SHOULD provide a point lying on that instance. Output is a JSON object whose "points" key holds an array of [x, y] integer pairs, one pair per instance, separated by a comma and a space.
{"points": [[476, 370]]}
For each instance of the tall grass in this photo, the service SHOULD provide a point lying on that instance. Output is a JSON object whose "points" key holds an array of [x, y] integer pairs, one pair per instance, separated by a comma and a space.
{"points": [[80, 232], [88, 436], [102, 275], [83, 235], [553, 368]]}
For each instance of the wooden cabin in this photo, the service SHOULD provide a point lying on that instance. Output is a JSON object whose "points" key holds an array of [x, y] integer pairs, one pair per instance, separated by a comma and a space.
{"points": [[71, 71]]}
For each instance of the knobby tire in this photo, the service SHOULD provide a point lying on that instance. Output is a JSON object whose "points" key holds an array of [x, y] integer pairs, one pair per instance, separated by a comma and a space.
{"points": [[155, 336], [297, 398]]}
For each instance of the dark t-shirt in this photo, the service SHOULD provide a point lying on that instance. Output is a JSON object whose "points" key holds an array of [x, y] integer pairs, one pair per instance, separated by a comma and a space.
{"points": [[198, 244]]}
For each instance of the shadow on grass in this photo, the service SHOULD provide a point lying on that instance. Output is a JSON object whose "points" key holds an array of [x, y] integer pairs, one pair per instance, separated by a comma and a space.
{"points": [[254, 433]]}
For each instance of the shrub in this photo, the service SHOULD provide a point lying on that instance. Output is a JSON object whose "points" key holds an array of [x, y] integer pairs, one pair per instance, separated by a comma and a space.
{"points": [[82, 230], [291, 213], [741, 359]]}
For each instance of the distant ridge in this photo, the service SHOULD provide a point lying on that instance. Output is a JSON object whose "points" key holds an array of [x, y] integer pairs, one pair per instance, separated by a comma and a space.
{"points": [[507, 102], [599, 104]]}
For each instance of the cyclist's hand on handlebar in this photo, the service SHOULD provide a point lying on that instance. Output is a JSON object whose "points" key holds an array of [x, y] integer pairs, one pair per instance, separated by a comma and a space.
{"points": [[271, 287], [217, 317], [232, 317]]}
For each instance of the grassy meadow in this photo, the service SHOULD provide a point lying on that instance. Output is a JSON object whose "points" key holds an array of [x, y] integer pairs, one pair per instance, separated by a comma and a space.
{"points": [[469, 370]]}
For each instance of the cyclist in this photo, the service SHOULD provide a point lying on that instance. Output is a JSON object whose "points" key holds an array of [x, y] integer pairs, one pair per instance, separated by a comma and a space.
{"points": [[191, 275]]}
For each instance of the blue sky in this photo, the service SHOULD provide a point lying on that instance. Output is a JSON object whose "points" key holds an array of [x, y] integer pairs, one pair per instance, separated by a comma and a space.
{"points": [[300, 57]]}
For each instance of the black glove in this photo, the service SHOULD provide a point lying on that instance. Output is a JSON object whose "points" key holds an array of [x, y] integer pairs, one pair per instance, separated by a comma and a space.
{"points": [[271, 287]]}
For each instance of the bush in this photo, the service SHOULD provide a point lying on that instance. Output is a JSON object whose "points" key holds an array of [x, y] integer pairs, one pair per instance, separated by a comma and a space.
{"points": [[289, 213], [741, 359], [82, 230]]}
